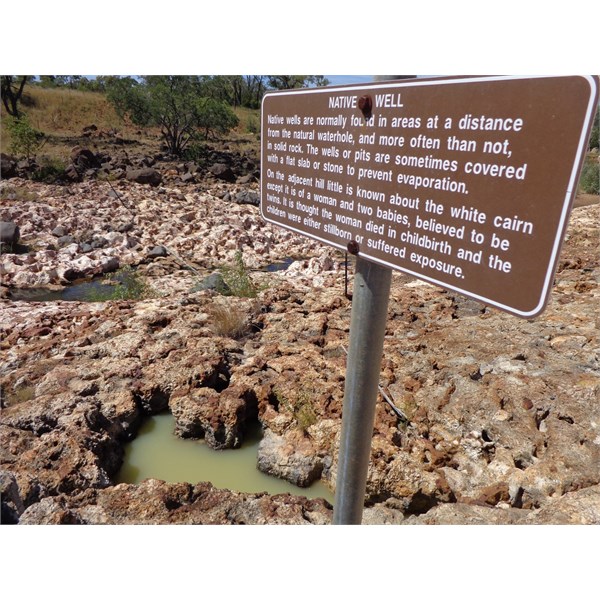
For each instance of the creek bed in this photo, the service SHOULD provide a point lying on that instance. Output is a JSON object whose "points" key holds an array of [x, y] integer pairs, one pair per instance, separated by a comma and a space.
{"points": [[157, 453]]}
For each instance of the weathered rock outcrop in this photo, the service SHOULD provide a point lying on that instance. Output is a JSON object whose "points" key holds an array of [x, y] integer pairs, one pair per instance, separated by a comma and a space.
{"points": [[199, 228], [291, 456], [8, 166], [155, 501], [503, 414]]}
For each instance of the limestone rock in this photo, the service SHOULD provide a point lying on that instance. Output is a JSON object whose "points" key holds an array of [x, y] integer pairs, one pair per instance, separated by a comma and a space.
{"points": [[155, 501], [504, 421], [219, 417], [290, 456]]}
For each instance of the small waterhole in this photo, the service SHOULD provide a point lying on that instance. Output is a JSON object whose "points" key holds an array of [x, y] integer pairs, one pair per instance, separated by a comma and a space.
{"points": [[80, 291], [157, 453]]}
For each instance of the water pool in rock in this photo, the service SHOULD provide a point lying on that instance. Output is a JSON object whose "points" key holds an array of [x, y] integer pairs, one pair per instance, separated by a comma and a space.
{"points": [[156, 452], [76, 292], [83, 290]]}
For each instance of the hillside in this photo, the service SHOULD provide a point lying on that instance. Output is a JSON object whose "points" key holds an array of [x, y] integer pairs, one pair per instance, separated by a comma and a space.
{"points": [[63, 115]]}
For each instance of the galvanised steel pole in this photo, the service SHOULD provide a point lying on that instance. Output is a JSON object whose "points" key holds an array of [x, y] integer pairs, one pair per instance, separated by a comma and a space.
{"points": [[370, 300]]}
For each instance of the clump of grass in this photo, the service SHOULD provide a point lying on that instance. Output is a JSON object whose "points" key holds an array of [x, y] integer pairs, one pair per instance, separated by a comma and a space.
{"points": [[51, 169], [408, 405], [252, 125], [228, 321], [237, 278], [302, 408], [305, 415], [10, 192], [23, 393]]}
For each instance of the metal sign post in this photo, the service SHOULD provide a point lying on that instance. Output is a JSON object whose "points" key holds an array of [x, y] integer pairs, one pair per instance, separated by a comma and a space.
{"points": [[367, 330]]}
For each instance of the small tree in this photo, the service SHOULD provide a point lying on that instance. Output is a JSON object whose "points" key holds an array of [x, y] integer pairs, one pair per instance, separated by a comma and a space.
{"points": [[24, 139], [289, 82], [173, 103]]}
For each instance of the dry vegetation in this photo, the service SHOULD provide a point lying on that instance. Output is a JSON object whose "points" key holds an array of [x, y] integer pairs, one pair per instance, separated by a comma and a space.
{"points": [[67, 112], [228, 321]]}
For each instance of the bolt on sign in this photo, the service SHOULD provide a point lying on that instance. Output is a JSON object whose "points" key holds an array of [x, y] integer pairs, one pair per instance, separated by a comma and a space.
{"points": [[466, 183]]}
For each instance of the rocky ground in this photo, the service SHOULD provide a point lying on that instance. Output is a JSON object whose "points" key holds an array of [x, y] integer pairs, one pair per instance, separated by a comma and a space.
{"points": [[503, 415]]}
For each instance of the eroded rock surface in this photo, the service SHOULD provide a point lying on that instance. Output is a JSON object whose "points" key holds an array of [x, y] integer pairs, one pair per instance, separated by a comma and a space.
{"points": [[155, 501], [504, 414]]}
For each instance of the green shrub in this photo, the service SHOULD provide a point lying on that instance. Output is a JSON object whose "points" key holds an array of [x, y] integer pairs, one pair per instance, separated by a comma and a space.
{"points": [[237, 278], [595, 135], [196, 150], [215, 117], [24, 139], [589, 182], [253, 125]]}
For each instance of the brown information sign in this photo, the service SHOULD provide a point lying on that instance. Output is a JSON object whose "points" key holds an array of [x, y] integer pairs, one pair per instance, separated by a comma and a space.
{"points": [[466, 183]]}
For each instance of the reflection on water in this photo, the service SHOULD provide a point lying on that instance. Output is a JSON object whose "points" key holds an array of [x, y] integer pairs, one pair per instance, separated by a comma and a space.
{"points": [[159, 454], [85, 290], [98, 289], [279, 266]]}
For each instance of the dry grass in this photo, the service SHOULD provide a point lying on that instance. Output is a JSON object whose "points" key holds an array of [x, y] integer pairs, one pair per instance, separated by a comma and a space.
{"points": [[228, 321], [11, 192], [67, 112], [62, 114], [299, 402], [19, 395]]}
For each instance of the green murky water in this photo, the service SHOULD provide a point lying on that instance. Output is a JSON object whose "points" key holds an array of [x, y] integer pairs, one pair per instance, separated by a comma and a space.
{"points": [[159, 454]]}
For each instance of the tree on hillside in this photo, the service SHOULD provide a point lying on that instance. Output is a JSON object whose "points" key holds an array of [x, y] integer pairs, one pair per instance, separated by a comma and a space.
{"points": [[175, 103], [24, 139], [73, 82], [215, 117], [254, 90], [227, 88], [12, 87], [289, 82]]}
